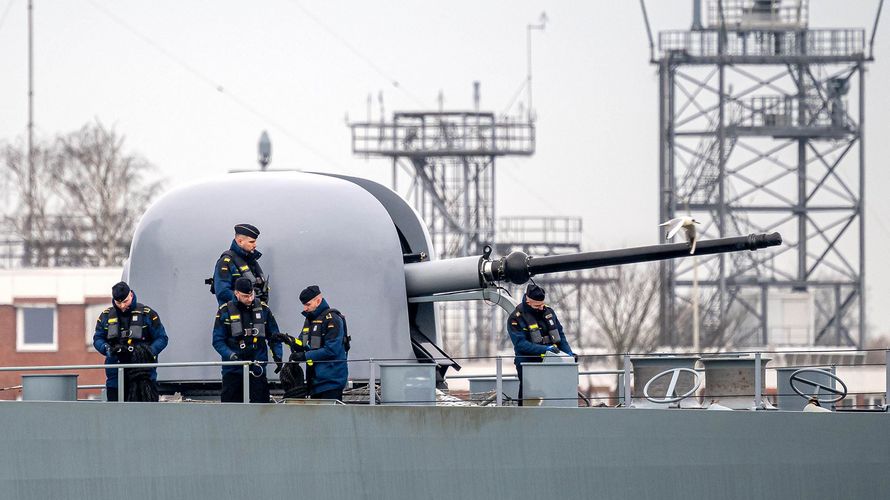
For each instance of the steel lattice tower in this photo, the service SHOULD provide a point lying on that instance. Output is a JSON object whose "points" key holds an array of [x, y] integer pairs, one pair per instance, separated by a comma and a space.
{"points": [[761, 129], [449, 158], [536, 235]]}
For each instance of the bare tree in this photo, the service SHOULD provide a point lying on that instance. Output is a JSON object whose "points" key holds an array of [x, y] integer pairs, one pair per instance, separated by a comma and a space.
{"points": [[104, 184], [625, 308], [29, 190], [87, 198], [737, 328]]}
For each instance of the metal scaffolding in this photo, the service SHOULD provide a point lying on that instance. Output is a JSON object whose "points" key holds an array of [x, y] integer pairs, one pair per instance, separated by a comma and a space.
{"points": [[549, 236], [449, 159], [761, 129]]}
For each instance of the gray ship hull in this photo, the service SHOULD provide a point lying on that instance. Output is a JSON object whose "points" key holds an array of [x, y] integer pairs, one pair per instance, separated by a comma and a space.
{"points": [[170, 451]]}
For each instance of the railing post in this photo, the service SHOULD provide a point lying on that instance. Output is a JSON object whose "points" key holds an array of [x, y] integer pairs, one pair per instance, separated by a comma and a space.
{"points": [[245, 390], [627, 394], [833, 371], [887, 375], [372, 389], [758, 395], [120, 385], [499, 382]]}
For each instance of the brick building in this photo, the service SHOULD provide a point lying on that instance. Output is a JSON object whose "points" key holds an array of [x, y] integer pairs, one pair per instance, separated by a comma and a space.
{"points": [[47, 317]]}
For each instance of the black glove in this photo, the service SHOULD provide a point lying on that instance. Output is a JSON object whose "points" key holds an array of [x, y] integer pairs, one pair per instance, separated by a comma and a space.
{"points": [[233, 357], [297, 356]]}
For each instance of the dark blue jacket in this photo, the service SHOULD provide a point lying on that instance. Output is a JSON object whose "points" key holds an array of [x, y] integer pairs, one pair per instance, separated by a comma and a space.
{"points": [[525, 350], [327, 367], [156, 338], [226, 272], [225, 345]]}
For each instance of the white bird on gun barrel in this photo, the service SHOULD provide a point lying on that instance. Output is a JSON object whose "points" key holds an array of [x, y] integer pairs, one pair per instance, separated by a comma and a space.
{"points": [[687, 224]]}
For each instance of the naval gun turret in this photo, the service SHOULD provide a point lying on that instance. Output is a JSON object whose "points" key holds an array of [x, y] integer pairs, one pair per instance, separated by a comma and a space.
{"points": [[356, 239], [466, 273]]}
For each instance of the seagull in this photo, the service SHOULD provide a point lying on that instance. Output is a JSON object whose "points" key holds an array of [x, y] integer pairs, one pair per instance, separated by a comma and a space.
{"points": [[813, 405], [687, 224]]}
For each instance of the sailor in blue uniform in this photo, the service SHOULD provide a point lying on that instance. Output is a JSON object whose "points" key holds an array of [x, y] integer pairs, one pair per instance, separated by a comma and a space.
{"points": [[122, 328], [325, 342], [535, 330], [245, 329], [240, 260]]}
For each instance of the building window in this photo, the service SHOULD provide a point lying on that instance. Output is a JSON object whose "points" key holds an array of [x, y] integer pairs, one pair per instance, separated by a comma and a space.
{"points": [[36, 327], [92, 312]]}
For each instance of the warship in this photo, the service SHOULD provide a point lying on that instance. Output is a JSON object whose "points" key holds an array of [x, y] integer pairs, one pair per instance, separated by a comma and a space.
{"points": [[371, 254]]}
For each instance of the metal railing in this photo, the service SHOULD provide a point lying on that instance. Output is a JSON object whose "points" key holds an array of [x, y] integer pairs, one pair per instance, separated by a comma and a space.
{"points": [[741, 14], [444, 133], [122, 367], [783, 112], [843, 44], [854, 358]]}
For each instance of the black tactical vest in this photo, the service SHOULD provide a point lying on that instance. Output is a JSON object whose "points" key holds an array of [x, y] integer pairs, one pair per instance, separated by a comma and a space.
{"points": [[135, 331], [246, 336], [314, 330], [537, 333], [244, 268]]}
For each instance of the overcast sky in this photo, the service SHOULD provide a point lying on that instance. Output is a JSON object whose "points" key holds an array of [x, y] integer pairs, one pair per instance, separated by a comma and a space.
{"points": [[192, 85]]}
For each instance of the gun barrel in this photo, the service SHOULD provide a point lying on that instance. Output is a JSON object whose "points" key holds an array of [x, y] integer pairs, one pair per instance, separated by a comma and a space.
{"points": [[591, 260], [468, 273]]}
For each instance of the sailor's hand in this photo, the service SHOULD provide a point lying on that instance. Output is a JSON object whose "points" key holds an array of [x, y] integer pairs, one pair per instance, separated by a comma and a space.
{"points": [[298, 356], [553, 349]]}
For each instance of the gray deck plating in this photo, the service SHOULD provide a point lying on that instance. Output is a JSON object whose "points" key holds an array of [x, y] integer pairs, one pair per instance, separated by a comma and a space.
{"points": [[133, 450]]}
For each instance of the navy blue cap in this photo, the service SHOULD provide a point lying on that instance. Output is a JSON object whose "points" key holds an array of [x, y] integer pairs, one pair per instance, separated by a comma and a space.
{"points": [[243, 285], [534, 292], [120, 291], [247, 230], [309, 293]]}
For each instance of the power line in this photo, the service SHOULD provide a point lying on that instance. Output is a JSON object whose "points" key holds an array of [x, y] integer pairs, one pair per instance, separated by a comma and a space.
{"points": [[515, 96], [370, 62], [213, 83]]}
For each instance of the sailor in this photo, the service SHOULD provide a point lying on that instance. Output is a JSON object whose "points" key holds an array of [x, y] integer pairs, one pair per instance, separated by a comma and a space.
{"points": [[124, 331], [244, 330], [240, 260], [535, 330], [325, 343]]}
